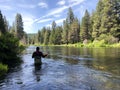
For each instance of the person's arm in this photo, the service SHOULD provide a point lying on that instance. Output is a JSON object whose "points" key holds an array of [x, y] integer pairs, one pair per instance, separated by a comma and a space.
{"points": [[44, 55], [33, 55]]}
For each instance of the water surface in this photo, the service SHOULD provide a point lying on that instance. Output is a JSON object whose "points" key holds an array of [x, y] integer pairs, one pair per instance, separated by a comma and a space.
{"points": [[67, 68]]}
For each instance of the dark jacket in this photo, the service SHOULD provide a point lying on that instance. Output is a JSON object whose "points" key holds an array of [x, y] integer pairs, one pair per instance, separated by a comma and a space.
{"points": [[38, 54], [37, 57]]}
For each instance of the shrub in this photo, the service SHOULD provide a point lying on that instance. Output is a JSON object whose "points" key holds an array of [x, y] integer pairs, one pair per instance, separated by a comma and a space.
{"points": [[108, 39], [100, 43], [9, 50], [3, 69]]}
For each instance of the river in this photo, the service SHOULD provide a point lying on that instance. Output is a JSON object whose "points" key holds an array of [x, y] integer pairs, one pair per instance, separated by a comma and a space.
{"points": [[67, 68]]}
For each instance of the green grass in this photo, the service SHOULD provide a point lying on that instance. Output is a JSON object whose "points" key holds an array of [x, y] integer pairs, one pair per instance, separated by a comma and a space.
{"points": [[90, 44], [116, 45], [3, 69]]}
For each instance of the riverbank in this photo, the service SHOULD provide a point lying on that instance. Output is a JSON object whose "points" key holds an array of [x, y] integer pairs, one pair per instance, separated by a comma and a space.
{"points": [[94, 45], [89, 45]]}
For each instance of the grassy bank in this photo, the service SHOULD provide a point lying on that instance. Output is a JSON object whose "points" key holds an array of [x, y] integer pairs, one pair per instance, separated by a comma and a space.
{"points": [[90, 44], [3, 69], [93, 45]]}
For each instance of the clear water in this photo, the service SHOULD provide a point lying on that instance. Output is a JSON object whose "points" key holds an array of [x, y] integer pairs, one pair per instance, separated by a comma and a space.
{"points": [[67, 68]]}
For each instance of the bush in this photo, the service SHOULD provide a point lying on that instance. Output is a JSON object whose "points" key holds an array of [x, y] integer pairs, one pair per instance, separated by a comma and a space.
{"points": [[99, 43], [3, 69], [10, 49], [108, 39]]}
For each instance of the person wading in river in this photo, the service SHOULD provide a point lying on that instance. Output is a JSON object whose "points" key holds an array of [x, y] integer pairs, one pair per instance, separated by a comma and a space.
{"points": [[37, 56]]}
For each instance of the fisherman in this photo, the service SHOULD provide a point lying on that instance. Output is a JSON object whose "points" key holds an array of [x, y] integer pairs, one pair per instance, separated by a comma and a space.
{"points": [[37, 56]]}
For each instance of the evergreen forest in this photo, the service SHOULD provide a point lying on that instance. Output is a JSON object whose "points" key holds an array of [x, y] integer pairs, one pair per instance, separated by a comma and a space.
{"points": [[101, 27]]}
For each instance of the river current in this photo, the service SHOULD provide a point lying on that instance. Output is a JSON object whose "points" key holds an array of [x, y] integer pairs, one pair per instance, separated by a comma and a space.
{"points": [[66, 68]]}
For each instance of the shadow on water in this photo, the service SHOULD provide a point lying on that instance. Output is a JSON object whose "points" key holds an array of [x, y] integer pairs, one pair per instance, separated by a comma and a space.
{"points": [[67, 68]]}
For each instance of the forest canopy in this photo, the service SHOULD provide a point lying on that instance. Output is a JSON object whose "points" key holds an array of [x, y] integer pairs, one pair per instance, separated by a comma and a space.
{"points": [[102, 25]]}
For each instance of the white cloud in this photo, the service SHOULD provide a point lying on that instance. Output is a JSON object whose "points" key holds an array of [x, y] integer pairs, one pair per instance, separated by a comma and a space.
{"points": [[60, 21], [28, 21], [57, 10], [48, 25], [72, 1], [57, 15], [5, 7], [26, 6], [44, 20], [61, 3], [43, 5], [75, 2]]}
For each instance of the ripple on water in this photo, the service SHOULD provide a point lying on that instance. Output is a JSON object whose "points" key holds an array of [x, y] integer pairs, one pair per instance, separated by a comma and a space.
{"points": [[59, 73]]}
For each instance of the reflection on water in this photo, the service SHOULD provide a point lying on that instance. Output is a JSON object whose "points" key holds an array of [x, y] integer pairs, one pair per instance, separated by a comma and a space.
{"points": [[105, 59], [67, 68]]}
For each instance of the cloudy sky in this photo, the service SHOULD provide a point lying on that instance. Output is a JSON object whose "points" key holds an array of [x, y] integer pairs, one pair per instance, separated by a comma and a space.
{"points": [[39, 13]]}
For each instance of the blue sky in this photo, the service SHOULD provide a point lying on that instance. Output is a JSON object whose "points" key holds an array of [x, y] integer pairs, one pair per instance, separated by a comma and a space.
{"points": [[39, 13]]}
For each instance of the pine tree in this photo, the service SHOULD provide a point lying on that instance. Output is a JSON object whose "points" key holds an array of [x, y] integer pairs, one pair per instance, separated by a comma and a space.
{"points": [[85, 27], [52, 36], [58, 36], [115, 30], [74, 32], [47, 36], [19, 26], [42, 37], [110, 22], [53, 25], [97, 15], [39, 36], [2, 24], [70, 16], [6, 24], [69, 20], [12, 29], [65, 32]]}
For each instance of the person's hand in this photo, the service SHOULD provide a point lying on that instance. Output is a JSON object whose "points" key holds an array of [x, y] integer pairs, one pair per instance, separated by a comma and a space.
{"points": [[46, 54]]}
